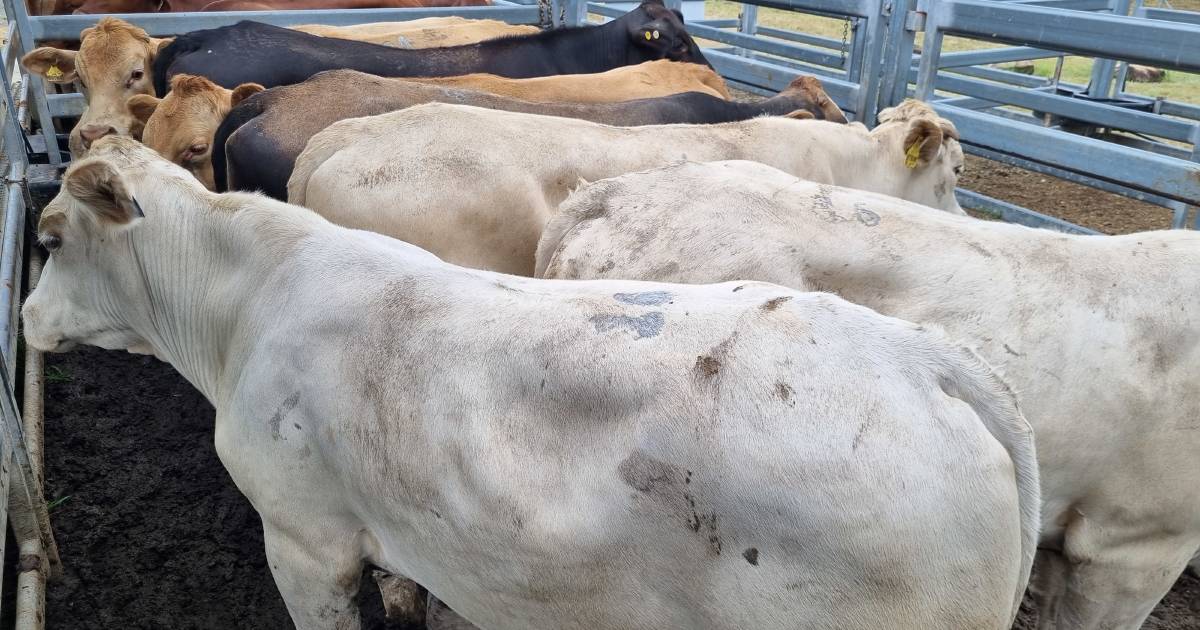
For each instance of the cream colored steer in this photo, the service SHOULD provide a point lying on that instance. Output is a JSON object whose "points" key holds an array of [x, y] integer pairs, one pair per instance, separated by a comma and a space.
{"points": [[542, 455], [475, 186], [1098, 335]]}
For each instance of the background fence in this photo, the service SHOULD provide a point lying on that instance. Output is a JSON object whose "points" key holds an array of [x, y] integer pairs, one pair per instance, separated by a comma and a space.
{"points": [[1095, 134]]}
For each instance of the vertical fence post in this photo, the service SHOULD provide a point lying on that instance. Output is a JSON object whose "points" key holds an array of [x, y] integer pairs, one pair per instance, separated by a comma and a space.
{"points": [[931, 49], [748, 25], [1101, 85], [576, 12], [898, 54], [18, 12]]}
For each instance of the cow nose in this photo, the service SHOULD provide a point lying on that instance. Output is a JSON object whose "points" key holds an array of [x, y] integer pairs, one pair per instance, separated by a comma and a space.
{"points": [[92, 133]]}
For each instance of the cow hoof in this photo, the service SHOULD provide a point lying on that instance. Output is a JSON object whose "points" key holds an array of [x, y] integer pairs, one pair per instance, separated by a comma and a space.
{"points": [[403, 599], [440, 617]]}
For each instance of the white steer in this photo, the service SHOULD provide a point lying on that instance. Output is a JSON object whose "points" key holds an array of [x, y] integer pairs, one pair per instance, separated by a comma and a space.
{"points": [[475, 186], [1098, 335], [544, 454]]}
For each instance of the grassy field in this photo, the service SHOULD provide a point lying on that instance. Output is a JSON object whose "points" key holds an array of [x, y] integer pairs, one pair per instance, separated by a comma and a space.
{"points": [[1177, 86]]}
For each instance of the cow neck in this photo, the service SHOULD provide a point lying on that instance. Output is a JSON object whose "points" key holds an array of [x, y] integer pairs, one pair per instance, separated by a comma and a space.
{"points": [[200, 273], [590, 49]]}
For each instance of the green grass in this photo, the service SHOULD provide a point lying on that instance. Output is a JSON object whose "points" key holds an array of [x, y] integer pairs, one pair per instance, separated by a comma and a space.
{"points": [[57, 502], [1178, 86], [55, 374]]}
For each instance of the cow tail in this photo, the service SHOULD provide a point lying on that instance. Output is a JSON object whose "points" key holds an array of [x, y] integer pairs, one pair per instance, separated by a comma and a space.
{"points": [[581, 205], [242, 113], [322, 146], [974, 382]]}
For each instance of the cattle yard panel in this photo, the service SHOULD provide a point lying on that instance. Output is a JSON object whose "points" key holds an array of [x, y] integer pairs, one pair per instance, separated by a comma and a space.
{"points": [[1096, 134], [22, 503]]}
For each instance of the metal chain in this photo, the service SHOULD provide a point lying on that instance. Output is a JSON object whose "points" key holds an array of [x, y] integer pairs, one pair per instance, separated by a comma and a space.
{"points": [[544, 13], [845, 37]]}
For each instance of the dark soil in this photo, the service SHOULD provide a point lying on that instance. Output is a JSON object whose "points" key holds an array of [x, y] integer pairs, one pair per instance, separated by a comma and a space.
{"points": [[1089, 207], [152, 531]]}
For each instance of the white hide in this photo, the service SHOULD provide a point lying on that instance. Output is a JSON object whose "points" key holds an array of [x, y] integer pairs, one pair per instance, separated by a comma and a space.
{"points": [[475, 186], [1098, 335], [549, 455]]}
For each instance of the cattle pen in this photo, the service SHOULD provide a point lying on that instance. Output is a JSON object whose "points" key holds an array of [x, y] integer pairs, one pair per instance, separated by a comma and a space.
{"points": [[1097, 134]]}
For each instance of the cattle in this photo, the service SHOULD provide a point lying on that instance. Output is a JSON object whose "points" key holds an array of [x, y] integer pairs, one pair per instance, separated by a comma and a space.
{"points": [[476, 186], [113, 63], [541, 454], [163, 6], [1096, 334], [644, 80], [115, 58], [252, 52], [262, 137], [422, 33]]}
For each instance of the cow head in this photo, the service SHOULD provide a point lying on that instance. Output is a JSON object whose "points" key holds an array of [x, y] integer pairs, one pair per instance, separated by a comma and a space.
{"points": [[92, 289], [658, 33], [181, 125], [922, 151], [113, 63]]}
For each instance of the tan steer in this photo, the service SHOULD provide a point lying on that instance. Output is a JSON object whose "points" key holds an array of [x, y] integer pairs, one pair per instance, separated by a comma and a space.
{"points": [[432, 32], [1098, 335], [476, 186]]}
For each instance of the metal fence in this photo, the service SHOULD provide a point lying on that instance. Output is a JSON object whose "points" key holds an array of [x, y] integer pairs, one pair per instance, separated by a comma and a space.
{"points": [[1096, 134]]}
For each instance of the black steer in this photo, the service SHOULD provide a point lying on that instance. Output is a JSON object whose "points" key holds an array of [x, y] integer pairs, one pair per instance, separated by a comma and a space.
{"points": [[256, 146], [252, 52]]}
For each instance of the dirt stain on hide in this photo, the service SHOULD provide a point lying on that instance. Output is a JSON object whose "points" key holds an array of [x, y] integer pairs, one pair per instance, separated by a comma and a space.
{"points": [[281, 412], [648, 325], [783, 391], [865, 215], [751, 556], [707, 366], [775, 302], [649, 298], [646, 474]]}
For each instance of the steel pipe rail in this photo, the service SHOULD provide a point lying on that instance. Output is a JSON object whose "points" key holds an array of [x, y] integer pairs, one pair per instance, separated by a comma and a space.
{"points": [[1133, 39]]}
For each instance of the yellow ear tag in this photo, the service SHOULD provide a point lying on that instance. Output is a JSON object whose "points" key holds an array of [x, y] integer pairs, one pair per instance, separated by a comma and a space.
{"points": [[54, 72], [647, 35], [914, 152]]}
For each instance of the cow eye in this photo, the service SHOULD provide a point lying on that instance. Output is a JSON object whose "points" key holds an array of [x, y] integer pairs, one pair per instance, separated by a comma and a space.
{"points": [[51, 242], [137, 75], [958, 170]]}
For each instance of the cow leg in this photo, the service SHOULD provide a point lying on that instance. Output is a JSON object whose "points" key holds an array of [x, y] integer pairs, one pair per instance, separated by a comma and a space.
{"points": [[1048, 586], [440, 617], [1114, 587], [317, 575]]}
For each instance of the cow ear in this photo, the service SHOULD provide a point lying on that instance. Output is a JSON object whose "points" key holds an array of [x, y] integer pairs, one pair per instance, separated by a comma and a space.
{"points": [[54, 64], [800, 114], [142, 106], [98, 185], [922, 142], [160, 44], [244, 91]]}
